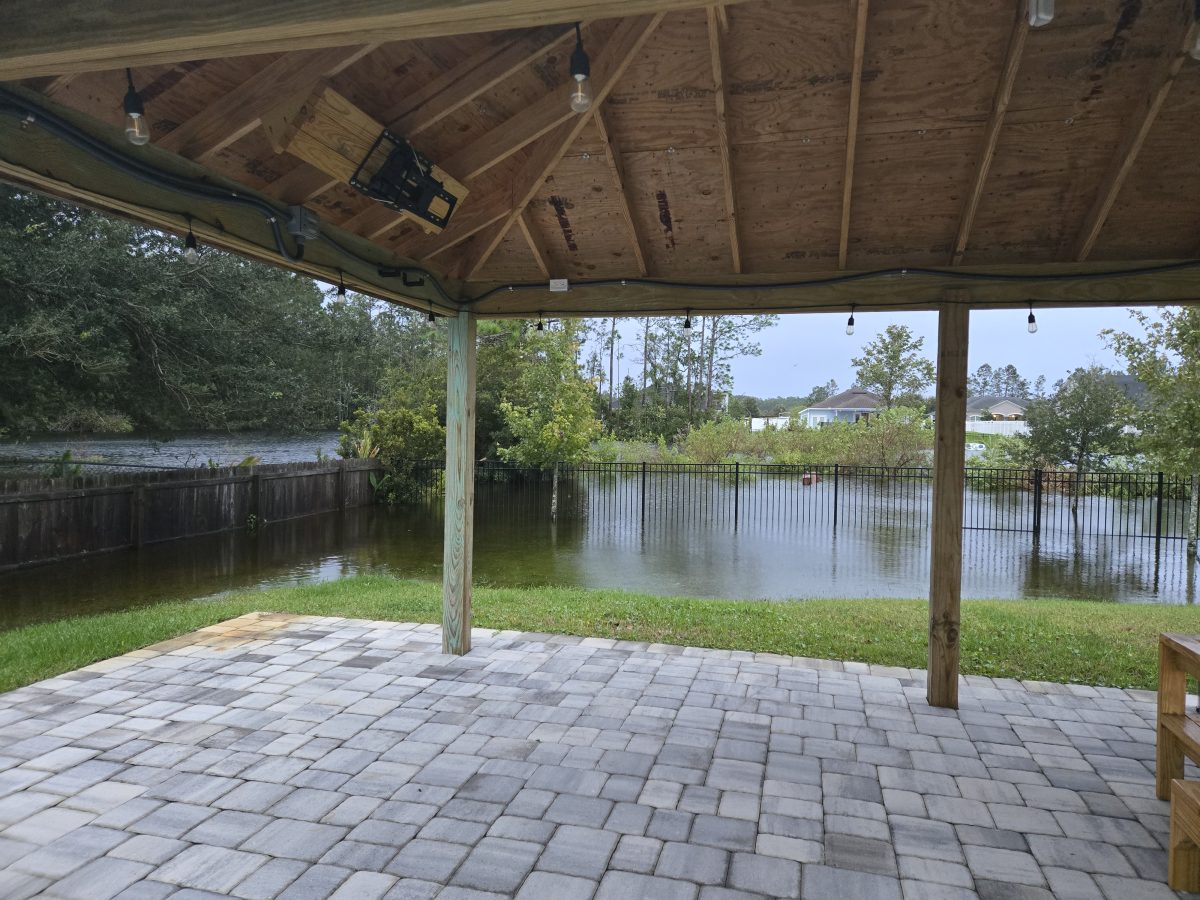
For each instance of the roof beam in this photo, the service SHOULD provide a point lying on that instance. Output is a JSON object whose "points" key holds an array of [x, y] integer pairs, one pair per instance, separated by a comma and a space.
{"points": [[241, 110], [94, 35], [460, 85], [1140, 123], [474, 75], [609, 65], [856, 68], [991, 137], [533, 238], [300, 185], [612, 154], [521, 130], [719, 96]]}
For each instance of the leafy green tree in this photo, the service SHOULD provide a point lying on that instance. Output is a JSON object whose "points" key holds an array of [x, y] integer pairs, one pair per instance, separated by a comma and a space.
{"points": [[550, 414], [1082, 422], [1167, 361], [892, 365]]}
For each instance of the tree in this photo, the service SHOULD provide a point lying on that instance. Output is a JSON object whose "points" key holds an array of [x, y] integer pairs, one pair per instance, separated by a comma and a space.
{"points": [[1003, 381], [982, 382], [1167, 362], [892, 365], [1082, 422]]}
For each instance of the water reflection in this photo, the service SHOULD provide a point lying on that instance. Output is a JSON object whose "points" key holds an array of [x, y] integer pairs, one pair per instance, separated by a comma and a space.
{"points": [[516, 544]]}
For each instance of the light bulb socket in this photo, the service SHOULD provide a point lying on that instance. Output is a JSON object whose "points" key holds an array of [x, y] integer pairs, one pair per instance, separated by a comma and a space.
{"points": [[541, 326], [687, 322], [133, 100], [432, 318], [581, 66]]}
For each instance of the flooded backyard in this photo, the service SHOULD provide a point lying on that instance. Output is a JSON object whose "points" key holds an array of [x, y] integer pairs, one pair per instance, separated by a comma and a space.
{"points": [[746, 532]]}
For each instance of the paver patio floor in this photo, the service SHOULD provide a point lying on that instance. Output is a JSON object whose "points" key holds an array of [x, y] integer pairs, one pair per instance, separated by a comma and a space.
{"points": [[300, 757]]}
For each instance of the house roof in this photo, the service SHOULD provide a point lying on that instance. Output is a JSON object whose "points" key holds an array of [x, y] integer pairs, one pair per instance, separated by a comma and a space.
{"points": [[984, 402], [855, 398]]}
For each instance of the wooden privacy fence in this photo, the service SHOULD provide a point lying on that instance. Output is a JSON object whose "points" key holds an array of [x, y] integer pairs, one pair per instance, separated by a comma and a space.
{"points": [[54, 518]]}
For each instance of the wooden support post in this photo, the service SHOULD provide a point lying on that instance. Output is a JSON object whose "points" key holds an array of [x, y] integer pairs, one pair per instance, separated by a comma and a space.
{"points": [[945, 569], [460, 485]]}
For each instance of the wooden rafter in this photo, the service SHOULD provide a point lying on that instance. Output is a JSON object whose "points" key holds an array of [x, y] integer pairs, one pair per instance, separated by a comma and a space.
{"points": [[241, 110], [1140, 123], [720, 98], [510, 136], [300, 185], [474, 75], [1004, 89], [612, 155], [607, 67], [533, 238], [460, 86], [91, 35], [860, 44]]}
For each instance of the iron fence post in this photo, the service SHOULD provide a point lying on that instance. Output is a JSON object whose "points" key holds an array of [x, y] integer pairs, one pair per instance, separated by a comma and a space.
{"points": [[737, 472], [836, 469], [643, 493], [1037, 502], [1158, 513]]}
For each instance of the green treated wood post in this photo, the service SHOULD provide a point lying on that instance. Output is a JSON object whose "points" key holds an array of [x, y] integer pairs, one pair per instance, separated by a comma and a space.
{"points": [[460, 485]]}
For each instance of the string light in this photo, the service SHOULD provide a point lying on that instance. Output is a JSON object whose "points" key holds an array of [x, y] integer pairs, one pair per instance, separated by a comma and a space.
{"points": [[850, 321], [191, 250], [1032, 326], [581, 69], [432, 318], [137, 129], [341, 294], [541, 326], [687, 324]]}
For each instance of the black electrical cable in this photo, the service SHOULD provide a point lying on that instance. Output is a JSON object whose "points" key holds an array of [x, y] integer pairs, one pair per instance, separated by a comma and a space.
{"points": [[14, 106], [950, 274]]}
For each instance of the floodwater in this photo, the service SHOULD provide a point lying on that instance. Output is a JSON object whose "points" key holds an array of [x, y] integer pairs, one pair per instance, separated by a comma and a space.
{"points": [[670, 558], [178, 450], [761, 539]]}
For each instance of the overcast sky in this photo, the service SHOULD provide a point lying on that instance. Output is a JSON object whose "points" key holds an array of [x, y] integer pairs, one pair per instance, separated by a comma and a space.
{"points": [[806, 350]]}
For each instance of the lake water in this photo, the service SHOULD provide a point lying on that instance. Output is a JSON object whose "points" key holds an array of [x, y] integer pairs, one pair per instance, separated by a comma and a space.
{"points": [[599, 542]]}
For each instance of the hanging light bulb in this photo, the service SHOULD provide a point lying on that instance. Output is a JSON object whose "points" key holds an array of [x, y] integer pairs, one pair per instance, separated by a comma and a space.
{"points": [[687, 324], [341, 294], [541, 326], [432, 318], [850, 321], [1032, 326], [581, 69], [137, 129], [1041, 12], [191, 251]]}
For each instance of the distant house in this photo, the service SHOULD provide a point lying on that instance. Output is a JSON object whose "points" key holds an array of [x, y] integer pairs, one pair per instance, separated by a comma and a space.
{"points": [[848, 406], [989, 407]]}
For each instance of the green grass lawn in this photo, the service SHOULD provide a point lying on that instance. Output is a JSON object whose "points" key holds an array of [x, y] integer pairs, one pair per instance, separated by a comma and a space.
{"points": [[1052, 640]]}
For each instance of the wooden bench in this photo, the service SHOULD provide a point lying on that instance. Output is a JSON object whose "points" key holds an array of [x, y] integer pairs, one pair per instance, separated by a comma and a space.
{"points": [[1178, 730], [1183, 854]]}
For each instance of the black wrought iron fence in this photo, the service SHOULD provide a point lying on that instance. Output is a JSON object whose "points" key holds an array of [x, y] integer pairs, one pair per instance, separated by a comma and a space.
{"points": [[772, 496]]}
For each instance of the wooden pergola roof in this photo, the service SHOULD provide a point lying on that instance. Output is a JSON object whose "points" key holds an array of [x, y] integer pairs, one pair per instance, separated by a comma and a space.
{"points": [[920, 146]]}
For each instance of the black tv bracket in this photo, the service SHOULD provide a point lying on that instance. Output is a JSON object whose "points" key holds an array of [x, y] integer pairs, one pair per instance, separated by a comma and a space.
{"points": [[398, 176]]}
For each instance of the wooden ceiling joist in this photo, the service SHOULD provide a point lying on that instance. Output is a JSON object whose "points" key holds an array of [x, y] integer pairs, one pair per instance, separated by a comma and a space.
{"points": [[1140, 123], [301, 185], [856, 67], [1004, 89], [720, 98], [510, 136], [240, 111], [92, 35], [475, 75], [537, 246], [607, 67], [612, 155], [460, 86]]}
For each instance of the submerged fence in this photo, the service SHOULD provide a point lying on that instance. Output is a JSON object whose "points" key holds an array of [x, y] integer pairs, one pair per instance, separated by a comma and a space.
{"points": [[50, 518], [764, 495]]}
